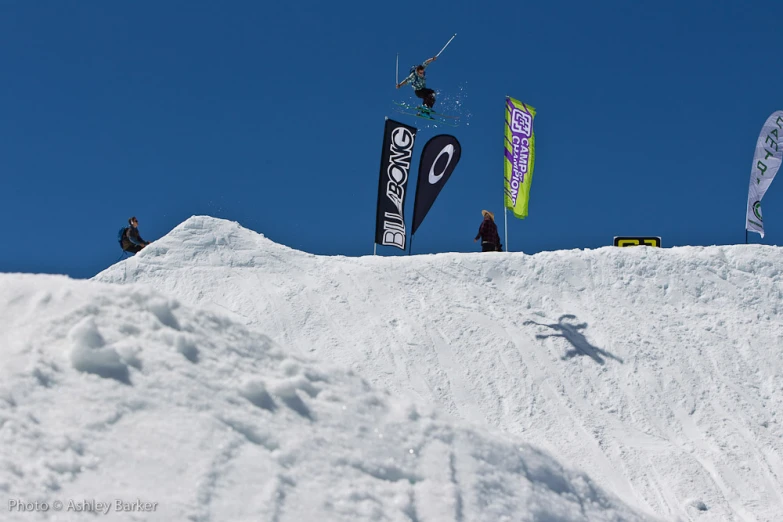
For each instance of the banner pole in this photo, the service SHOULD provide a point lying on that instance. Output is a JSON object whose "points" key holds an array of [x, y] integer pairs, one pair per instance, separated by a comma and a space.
{"points": [[505, 225], [374, 248]]}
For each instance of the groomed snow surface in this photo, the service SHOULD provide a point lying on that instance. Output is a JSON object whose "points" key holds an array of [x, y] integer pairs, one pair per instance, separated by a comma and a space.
{"points": [[228, 378]]}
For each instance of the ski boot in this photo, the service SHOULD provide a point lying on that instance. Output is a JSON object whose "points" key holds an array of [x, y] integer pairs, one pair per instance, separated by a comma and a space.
{"points": [[425, 112]]}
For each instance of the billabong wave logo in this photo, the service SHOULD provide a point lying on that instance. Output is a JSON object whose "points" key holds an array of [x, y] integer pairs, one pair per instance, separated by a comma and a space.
{"points": [[521, 122], [757, 210]]}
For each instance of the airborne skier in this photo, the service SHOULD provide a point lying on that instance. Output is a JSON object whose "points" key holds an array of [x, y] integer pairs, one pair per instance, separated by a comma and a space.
{"points": [[418, 81]]}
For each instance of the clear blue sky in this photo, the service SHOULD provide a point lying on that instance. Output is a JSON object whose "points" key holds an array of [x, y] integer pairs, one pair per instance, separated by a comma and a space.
{"points": [[271, 114]]}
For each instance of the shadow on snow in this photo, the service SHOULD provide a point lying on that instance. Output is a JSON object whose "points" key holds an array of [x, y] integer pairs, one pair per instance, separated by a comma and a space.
{"points": [[573, 334]]}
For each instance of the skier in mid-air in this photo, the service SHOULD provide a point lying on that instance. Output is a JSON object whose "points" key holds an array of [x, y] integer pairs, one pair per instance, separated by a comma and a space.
{"points": [[418, 81]]}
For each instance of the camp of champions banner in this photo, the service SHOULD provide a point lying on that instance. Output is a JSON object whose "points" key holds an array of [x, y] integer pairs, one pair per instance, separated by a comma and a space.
{"points": [[396, 155], [438, 160], [520, 156], [766, 163]]}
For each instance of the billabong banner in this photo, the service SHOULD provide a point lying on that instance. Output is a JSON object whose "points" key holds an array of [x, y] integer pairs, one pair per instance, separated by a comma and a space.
{"points": [[520, 156], [766, 162], [396, 155], [438, 160]]}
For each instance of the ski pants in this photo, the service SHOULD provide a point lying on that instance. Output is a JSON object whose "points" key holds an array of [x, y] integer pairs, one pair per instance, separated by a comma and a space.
{"points": [[133, 249], [428, 95], [486, 246]]}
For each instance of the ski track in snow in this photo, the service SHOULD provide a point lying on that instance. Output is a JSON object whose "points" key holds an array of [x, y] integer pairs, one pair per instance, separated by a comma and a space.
{"points": [[654, 371], [114, 392]]}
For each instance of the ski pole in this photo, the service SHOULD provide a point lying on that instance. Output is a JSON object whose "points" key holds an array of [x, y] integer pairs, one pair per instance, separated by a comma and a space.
{"points": [[447, 44], [397, 71]]}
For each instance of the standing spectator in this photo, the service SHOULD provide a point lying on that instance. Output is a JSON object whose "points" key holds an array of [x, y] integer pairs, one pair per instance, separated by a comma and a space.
{"points": [[488, 232]]}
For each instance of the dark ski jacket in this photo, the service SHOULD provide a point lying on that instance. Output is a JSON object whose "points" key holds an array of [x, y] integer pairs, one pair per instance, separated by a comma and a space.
{"points": [[132, 237], [488, 232]]}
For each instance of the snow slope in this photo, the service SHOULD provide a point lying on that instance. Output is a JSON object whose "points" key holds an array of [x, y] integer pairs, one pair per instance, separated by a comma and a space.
{"points": [[656, 371], [112, 392]]}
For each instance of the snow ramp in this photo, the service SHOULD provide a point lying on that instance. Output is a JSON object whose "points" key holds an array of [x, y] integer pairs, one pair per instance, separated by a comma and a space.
{"points": [[655, 371], [119, 403]]}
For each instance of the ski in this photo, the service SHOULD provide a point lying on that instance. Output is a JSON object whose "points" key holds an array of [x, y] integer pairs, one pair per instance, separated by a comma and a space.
{"points": [[425, 110], [429, 118]]}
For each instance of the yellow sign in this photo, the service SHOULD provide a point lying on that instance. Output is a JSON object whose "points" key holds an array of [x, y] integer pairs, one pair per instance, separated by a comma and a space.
{"points": [[623, 241]]}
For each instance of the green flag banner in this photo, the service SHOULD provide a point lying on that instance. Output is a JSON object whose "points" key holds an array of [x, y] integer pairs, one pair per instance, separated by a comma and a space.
{"points": [[520, 156]]}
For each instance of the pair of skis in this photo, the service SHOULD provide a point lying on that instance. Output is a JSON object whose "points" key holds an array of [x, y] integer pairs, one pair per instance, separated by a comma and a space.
{"points": [[422, 111], [427, 114]]}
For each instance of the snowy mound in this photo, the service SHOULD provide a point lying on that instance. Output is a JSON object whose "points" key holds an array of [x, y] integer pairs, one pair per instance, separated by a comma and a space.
{"points": [[117, 393], [656, 371]]}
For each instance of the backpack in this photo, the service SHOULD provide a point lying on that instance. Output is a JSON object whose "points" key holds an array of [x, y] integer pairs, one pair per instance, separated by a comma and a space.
{"points": [[121, 234]]}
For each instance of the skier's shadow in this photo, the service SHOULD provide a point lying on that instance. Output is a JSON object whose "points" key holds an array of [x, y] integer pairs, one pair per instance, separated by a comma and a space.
{"points": [[572, 333]]}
